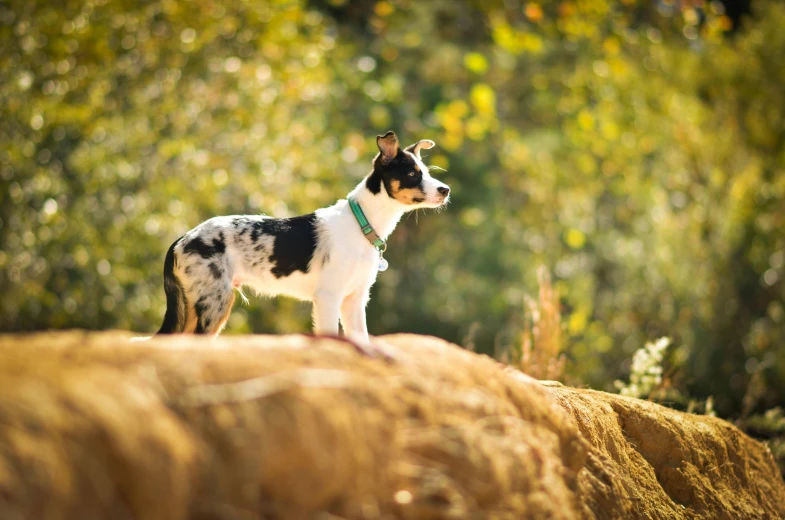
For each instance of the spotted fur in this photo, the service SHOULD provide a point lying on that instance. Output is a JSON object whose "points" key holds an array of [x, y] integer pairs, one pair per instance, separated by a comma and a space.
{"points": [[321, 257]]}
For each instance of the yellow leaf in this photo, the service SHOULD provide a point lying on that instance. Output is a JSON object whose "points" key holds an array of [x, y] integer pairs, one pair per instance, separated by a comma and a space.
{"points": [[585, 120], [586, 163], [476, 129], [475, 62], [575, 238], [439, 160], [483, 98], [452, 141], [577, 323], [383, 9], [531, 43], [533, 12], [610, 131], [611, 46]]}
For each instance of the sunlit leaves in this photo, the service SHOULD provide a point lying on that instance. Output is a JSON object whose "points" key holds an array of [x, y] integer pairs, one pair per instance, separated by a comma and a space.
{"points": [[133, 109], [631, 146], [514, 40]]}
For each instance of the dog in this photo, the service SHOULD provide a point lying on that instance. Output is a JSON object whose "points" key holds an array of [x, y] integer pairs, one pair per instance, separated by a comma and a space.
{"points": [[330, 257]]}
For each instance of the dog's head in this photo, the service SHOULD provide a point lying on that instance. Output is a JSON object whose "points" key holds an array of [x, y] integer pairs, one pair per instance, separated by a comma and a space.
{"points": [[402, 173]]}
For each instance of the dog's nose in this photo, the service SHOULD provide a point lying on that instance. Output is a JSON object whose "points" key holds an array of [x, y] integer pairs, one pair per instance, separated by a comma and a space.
{"points": [[444, 190]]}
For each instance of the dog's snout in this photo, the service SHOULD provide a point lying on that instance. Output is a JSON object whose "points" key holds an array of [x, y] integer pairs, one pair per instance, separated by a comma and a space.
{"points": [[444, 190]]}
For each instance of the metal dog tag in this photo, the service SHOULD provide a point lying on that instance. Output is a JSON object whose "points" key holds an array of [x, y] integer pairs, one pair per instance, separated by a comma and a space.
{"points": [[383, 265]]}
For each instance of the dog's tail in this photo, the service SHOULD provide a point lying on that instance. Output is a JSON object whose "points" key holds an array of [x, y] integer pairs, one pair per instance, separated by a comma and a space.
{"points": [[174, 319]]}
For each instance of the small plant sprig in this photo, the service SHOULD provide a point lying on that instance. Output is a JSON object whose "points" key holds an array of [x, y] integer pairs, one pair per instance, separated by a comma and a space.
{"points": [[646, 370]]}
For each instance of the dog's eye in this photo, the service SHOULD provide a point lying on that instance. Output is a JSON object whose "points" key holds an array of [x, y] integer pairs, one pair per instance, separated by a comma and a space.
{"points": [[412, 174]]}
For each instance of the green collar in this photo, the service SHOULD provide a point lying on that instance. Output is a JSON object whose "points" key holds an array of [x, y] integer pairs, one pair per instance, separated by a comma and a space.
{"points": [[368, 231]]}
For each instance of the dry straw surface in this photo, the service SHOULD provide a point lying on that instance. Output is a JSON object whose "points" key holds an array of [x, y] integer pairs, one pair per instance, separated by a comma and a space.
{"points": [[295, 427]]}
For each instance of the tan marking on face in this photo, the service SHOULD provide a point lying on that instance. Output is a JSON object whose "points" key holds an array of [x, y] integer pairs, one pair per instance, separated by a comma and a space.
{"points": [[405, 195], [396, 188]]}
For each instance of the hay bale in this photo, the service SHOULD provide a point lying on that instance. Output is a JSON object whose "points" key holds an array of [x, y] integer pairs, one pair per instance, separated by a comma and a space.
{"points": [[293, 427]]}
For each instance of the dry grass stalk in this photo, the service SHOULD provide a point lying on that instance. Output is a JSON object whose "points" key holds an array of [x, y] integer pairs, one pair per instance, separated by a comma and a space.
{"points": [[540, 352]]}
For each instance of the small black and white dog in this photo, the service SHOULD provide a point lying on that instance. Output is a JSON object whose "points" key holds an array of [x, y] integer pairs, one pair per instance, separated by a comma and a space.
{"points": [[330, 257]]}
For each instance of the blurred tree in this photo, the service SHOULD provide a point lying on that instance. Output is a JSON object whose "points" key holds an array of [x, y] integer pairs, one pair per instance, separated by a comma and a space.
{"points": [[634, 147]]}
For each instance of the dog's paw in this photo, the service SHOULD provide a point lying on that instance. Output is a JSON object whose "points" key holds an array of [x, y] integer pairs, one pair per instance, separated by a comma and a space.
{"points": [[377, 348]]}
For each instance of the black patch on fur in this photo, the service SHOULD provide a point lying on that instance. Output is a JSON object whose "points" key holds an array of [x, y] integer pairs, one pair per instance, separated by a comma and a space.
{"points": [[257, 230], [294, 242], [217, 273], [198, 246], [396, 170], [374, 182], [201, 307]]}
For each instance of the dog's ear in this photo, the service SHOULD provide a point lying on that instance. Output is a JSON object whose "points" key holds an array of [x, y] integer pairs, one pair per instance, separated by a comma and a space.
{"points": [[388, 146], [422, 144]]}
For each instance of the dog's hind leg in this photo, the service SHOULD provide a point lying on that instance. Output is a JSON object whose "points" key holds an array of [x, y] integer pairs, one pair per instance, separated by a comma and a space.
{"points": [[212, 306], [225, 312], [174, 319], [190, 318]]}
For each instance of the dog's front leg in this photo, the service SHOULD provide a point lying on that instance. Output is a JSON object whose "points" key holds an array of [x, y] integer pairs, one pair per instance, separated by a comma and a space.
{"points": [[355, 327], [353, 318], [326, 312]]}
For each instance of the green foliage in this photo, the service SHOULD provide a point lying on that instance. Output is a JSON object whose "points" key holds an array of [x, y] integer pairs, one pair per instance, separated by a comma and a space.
{"points": [[769, 426], [634, 147]]}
